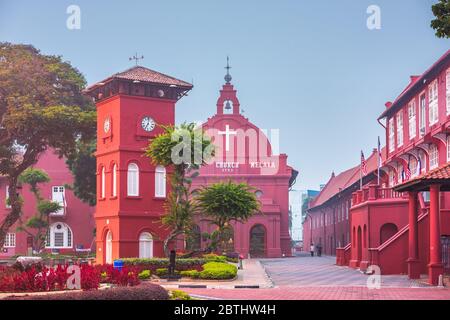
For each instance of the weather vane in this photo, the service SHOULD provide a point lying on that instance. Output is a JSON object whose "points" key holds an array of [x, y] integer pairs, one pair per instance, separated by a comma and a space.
{"points": [[228, 76], [136, 58]]}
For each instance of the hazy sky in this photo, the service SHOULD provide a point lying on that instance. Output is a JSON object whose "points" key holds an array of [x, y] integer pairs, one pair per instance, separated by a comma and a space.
{"points": [[310, 68]]}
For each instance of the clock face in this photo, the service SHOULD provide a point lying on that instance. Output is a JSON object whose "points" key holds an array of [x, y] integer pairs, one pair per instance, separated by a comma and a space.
{"points": [[107, 125], [148, 124]]}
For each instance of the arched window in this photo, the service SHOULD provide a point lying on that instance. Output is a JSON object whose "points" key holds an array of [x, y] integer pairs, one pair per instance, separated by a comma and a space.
{"points": [[59, 236], [108, 248], [391, 178], [258, 241], [145, 245], [422, 162], [413, 167], [103, 187], [258, 194], [434, 156], [133, 180], [387, 231], [114, 181], [160, 182], [228, 107], [448, 146]]}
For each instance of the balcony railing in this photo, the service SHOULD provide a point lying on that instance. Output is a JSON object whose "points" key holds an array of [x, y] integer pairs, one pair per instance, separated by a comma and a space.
{"points": [[374, 192]]}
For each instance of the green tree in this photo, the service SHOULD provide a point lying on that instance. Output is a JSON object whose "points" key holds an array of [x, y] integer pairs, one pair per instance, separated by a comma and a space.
{"points": [[441, 24], [37, 225], [224, 202], [82, 163], [41, 107], [184, 148]]}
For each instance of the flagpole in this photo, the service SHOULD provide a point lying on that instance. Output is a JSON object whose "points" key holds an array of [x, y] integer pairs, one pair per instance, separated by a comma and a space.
{"points": [[378, 161], [360, 172]]}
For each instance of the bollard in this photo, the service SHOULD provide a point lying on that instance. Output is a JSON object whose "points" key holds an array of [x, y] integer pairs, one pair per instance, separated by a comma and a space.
{"points": [[441, 281], [241, 266]]}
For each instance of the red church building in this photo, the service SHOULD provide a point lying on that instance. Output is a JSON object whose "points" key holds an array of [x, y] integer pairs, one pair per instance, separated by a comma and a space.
{"points": [[244, 154], [71, 229]]}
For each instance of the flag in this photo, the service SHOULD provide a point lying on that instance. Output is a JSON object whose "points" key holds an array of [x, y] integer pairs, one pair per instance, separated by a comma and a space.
{"points": [[363, 164], [407, 172]]}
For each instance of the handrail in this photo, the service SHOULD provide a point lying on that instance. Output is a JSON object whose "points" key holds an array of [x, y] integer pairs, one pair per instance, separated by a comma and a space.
{"points": [[374, 192]]}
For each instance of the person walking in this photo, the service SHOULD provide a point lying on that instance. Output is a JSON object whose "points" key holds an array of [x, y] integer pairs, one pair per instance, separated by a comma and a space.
{"points": [[319, 250], [312, 249]]}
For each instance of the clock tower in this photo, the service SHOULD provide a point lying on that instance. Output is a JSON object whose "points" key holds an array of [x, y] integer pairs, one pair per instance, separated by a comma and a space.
{"points": [[131, 192]]}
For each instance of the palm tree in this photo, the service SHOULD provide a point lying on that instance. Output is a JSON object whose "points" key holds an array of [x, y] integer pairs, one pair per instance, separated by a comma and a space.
{"points": [[186, 148], [225, 202]]}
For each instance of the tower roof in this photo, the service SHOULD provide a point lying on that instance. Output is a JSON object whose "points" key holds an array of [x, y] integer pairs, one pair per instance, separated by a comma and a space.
{"points": [[146, 75]]}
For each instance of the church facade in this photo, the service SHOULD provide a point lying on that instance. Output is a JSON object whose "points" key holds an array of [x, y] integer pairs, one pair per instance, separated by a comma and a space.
{"points": [[244, 154]]}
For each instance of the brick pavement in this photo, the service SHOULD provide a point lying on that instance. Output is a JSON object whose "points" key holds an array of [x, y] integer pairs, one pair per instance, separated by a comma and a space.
{"points": [[323, 293]]}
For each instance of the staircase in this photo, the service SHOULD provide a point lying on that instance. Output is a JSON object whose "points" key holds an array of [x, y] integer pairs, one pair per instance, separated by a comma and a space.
{"points": [[392, 255]]}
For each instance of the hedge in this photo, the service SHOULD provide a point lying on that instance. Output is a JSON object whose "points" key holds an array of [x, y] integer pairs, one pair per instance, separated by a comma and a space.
{"points": [[212, 271], [218, 270], [158, 263]]}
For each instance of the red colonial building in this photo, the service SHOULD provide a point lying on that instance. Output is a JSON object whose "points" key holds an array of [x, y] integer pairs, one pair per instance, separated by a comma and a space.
{"points": [[327, 222], [244, 154], [407, 231], [71, 229], [131, 106]]}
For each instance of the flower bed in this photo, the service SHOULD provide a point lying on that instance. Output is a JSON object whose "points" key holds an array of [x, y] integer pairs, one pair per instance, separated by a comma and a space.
{"points": [[38, 279], [127, 276], [147, 291]]}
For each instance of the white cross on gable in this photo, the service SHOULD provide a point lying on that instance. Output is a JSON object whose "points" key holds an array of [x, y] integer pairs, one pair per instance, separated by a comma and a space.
{"points": [[228, 133]]}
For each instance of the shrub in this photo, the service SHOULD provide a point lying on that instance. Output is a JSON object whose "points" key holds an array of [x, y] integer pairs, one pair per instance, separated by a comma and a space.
{"points": [[161, 272], [127, 276], [179, 295], [145, 274], [211, 257], [218, 271], [146, 291], [190, 274]]}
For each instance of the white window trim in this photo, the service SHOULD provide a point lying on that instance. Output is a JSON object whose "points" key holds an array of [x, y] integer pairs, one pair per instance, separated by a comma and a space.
{"points": [[50, 243], [103, 182], [160, 182], [448, 147], [422, 116], [399, 119], [433, 102], [62, 201], [10, 240], [412, 119], [391, 135], [145, 238], [114, 180], [434, 157], [133, 174]]}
